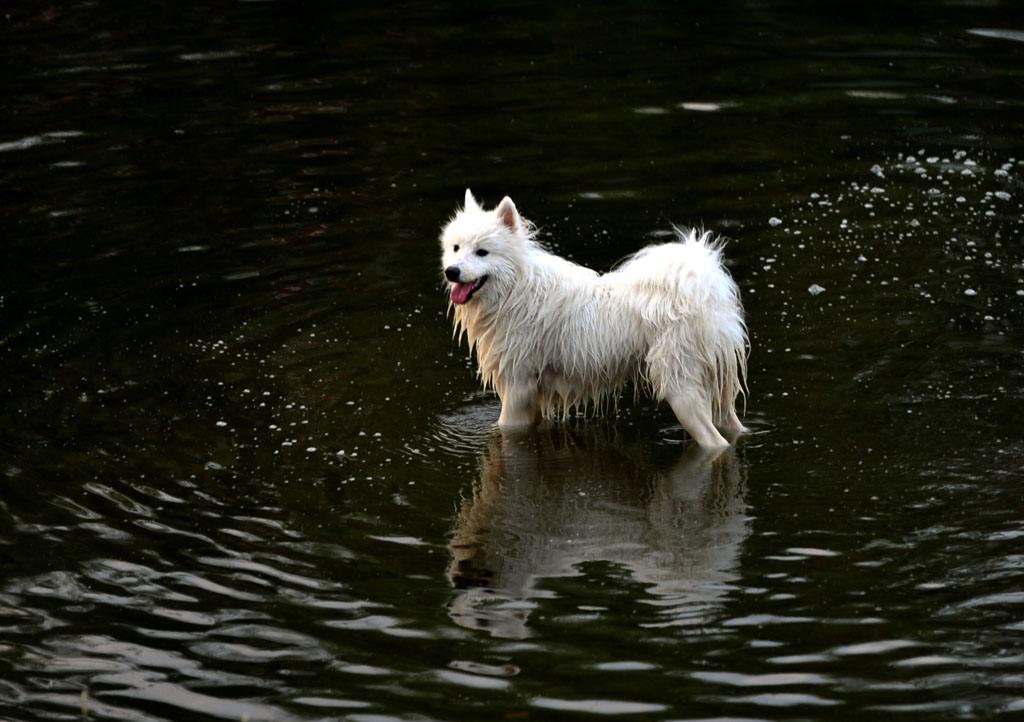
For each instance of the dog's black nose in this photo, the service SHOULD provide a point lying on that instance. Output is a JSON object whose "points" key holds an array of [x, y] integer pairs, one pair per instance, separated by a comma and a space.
{"points": [[452, 273]]}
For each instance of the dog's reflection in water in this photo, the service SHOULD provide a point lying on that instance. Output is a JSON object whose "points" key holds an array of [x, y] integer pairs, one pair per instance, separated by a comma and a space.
{"points": [[548, 501]]}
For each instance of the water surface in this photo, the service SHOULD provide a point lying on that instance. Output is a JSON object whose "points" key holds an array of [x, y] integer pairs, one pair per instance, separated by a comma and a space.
{"points": [[248, 474]]}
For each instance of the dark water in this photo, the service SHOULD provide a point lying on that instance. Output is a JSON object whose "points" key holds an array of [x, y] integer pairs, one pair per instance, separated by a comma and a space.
{"points": [[247, 474]]}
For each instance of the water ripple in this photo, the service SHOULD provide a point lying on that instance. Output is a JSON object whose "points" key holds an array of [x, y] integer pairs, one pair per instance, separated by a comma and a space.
{"points": [[763, 680], [460, 432], [597, 706]]}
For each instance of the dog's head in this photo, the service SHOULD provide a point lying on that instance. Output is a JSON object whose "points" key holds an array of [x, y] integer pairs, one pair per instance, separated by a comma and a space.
{"points": [[482, 248]]}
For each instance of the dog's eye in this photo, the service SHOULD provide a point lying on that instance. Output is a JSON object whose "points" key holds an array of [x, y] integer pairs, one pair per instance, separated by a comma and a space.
{"points": [[482, 252], [456, 248]]}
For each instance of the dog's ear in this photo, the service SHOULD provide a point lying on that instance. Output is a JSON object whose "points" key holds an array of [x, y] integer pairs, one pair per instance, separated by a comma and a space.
{"points": [[470, 200], [507, 213]]}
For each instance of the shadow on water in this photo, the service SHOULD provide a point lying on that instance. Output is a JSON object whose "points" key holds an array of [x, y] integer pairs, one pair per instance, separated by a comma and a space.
{"points": [[549, 501]]}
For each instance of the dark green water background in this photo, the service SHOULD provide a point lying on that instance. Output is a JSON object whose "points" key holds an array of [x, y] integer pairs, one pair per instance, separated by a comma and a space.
{"points": [[246, 474]]}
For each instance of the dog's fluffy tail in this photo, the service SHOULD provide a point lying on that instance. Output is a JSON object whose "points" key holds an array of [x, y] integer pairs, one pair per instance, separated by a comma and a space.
{"points": [[692, 310]]}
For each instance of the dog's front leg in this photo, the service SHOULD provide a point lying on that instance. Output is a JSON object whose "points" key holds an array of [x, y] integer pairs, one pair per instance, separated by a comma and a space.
{"points": [[519, 406]]}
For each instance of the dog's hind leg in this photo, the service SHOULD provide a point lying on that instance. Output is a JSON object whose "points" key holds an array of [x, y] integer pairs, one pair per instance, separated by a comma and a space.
{"points": [[694, 413], [730, 426], [691, 401]]}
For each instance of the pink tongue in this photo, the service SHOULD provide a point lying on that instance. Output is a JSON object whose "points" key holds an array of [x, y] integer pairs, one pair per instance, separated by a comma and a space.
{"points": [[460, 292]]}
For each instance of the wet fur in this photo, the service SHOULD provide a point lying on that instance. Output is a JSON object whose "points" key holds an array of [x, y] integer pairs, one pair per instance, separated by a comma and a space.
{"points": [[551, 335]]}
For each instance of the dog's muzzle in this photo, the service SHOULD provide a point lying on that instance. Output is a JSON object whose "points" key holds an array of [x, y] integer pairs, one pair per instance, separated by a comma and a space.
{"points": [[462, 291]]}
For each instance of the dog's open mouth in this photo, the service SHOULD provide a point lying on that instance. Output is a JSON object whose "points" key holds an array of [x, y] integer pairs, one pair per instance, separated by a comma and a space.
{"points": [[462, 292]]}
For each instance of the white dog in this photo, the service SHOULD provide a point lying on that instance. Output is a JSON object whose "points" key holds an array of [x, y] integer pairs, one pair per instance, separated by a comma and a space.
{"points": [[551, 335]]}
